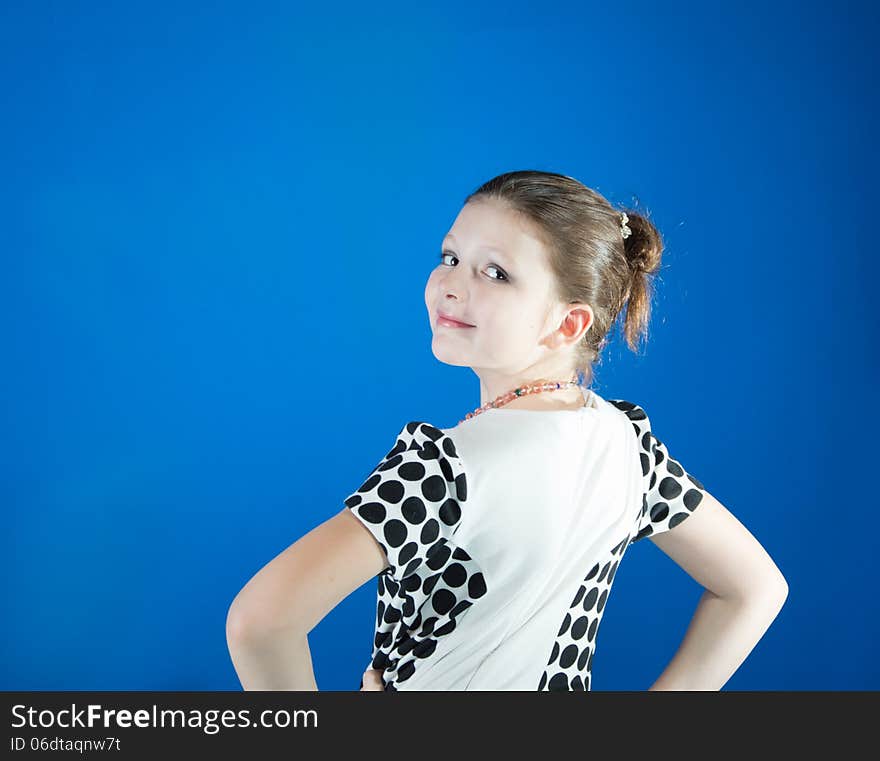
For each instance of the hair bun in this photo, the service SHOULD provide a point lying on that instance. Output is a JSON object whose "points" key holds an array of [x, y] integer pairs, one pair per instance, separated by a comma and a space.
{"points": [[635, 258], [642, 246]]}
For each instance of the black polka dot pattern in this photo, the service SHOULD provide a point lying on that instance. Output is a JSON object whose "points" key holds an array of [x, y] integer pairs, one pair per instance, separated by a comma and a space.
{"points": [[412, 505], [570, 663], [670, 494]]}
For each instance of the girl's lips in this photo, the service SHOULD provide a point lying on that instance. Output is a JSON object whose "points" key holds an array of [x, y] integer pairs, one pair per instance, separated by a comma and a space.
{"points": [[447, 323]]}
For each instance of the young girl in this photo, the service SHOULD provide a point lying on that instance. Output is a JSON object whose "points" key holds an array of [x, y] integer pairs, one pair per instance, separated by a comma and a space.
{"points": [[496, 541]]}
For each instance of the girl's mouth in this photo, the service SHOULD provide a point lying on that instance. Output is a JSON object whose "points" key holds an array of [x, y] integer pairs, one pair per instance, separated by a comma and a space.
{"points": [[446, 322]]}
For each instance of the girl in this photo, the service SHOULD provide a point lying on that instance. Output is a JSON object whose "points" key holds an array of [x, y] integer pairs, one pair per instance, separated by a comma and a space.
{"points": [[496, 541]]}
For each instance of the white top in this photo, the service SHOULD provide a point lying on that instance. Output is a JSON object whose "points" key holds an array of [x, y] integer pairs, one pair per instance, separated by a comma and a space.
{"points": [[503, 536]]}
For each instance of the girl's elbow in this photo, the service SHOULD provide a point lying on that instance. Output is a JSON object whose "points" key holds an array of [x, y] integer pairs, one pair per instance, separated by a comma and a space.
{"points": [[770, 584], [770, 589], [783, 593], [241, 624], [784, 588], [775, 589], [247, 622]]}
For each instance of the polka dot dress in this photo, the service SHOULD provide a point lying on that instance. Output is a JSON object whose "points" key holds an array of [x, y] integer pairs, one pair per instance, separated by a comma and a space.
{"points": [[669, 496], [412, 504], [477, 594]]}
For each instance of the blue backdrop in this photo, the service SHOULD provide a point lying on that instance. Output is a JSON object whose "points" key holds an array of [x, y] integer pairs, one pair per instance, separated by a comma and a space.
{"points": [[218, 224]]}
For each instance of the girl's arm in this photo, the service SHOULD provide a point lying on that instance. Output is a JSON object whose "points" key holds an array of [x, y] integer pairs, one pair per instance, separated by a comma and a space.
{"points": [[268, 620], [744, 593]]}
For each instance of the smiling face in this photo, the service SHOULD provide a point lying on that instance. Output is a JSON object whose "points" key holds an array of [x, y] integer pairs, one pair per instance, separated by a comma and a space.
{"points": [[493, 274]]}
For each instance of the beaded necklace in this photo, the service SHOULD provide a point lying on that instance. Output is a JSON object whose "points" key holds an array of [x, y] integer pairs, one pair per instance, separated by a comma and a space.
{"points": [[537, 387]]}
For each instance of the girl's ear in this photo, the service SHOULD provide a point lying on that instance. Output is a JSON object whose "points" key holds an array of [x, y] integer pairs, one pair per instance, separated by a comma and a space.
{"points": [[578, 321]]}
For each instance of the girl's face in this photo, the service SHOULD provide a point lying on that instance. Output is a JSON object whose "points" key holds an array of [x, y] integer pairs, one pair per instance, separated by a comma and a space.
{"points": [[493, 274]]}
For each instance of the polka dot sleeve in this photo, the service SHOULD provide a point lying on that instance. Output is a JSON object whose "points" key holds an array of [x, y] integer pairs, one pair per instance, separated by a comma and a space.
{"points": [[412, 505], [670, 493], [411, 502]]}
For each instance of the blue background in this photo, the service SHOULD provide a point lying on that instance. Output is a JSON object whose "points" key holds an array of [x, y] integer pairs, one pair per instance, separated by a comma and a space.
{"points": [[218, 224]]}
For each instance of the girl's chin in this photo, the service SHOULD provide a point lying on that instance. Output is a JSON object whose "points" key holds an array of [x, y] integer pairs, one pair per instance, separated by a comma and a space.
{"points": [[456, 359]]}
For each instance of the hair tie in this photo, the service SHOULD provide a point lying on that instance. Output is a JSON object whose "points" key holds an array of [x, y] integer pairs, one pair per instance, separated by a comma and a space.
{"points": [[624, 228]]}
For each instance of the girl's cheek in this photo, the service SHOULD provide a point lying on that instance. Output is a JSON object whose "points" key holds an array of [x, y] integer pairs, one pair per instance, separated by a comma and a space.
{"points": [[435, 281]]}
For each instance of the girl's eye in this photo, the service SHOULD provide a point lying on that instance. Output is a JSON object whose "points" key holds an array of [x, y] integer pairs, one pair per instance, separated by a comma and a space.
{"points": [[501, 279]]}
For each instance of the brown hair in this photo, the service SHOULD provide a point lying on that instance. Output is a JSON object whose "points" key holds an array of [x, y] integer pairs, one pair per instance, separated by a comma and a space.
{"points": [[591, 260]]}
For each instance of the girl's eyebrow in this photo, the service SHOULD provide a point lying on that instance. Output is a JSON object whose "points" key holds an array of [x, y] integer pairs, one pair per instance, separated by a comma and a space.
{"points": [[496, 250]]}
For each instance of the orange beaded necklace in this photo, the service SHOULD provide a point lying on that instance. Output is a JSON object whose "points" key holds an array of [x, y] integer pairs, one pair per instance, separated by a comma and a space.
{"points": [[537, 387]]}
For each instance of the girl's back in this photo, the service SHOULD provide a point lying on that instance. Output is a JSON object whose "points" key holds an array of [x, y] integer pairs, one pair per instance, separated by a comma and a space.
{"points": [[504, 534]]}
